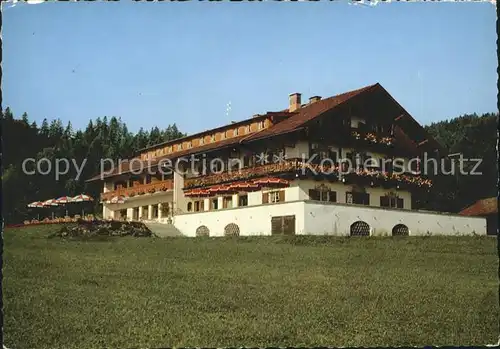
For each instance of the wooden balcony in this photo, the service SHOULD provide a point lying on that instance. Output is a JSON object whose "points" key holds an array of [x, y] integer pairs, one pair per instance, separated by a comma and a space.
{"points": [[139, 189], [243, 174], [372, 176]]}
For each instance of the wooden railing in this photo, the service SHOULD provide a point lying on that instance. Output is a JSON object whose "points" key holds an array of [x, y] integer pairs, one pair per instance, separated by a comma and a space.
{"points": [[139, 189], [371, 175], [243, 174]]}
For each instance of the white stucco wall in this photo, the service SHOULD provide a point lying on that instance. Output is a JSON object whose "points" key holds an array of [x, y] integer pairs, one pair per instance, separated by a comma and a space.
{"points": [[303, 186], [254, 220], [328, 219], [336, 219]]}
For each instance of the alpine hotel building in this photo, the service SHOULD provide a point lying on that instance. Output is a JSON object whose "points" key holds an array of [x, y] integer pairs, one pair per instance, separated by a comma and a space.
{"points": [[279, 184]]}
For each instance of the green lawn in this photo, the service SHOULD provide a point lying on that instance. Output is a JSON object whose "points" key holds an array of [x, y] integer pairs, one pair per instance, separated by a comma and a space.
{"points": [[266, 291]]}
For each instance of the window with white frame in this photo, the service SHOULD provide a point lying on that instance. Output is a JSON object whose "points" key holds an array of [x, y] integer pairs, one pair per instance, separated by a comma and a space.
{"points": [[274, 196]]}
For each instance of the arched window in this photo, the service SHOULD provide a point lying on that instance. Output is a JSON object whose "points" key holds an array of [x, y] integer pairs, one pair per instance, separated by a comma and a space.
{"points": [[231, 230], [360, 228], [400, 230], [190, 206], [202, 231]]}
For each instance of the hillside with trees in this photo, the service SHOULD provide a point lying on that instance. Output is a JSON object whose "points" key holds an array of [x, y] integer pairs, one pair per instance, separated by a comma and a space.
{"points": [[472, 135], [102, 138]]}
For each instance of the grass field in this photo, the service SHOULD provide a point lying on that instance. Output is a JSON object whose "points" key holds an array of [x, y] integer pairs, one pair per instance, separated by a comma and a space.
{"points": [[266, 291]]}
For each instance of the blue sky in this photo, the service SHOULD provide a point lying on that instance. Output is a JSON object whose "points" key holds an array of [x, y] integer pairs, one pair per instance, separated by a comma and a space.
{"points": [[154, 64]]}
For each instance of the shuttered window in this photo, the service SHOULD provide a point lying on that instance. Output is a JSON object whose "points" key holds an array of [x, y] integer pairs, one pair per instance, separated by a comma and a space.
{"points": [[265, 198], [243, 200], [384, 201], [393, 202], [332, 196], [358, 198], [314, 194], [399, 203]]}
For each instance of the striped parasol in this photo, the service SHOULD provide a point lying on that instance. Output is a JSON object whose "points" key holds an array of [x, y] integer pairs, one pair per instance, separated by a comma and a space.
{"points": [[50, 202], [36, 204], [64, 200], [82, 198]]}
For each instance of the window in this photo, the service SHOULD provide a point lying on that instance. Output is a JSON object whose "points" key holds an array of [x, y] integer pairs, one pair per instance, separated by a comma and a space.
{"points": [[260, 125], [357, 198], [235, 132], [323, 195], [179, 146], [223, 135], [273, 197], [227, 202], [190, 206], [247, 129], [332, 154], [212, 138], [243, 200], [215, 204], [190, 144], [148, 179], [196, 206], [246, 161], [202, 141], [216, 166], [391, 201]]}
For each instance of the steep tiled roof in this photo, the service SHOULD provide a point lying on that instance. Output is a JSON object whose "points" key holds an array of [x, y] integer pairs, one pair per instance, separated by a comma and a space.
{"points": [[482, 207], [307, 113], [200, 149], [291, 121]]}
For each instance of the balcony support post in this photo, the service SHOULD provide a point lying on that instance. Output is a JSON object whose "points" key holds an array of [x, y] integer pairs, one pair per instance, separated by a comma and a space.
{"points": [[160, 210], [130, 214], [150, 212]]}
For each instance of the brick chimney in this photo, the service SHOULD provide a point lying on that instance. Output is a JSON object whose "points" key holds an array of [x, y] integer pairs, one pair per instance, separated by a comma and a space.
{"points": [[314, 99], [295, 102]]}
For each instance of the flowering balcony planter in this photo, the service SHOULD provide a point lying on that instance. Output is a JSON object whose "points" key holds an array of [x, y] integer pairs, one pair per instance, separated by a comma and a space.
{"points": [[243, 174], [139, 190], [372, 138], [388, 180]]}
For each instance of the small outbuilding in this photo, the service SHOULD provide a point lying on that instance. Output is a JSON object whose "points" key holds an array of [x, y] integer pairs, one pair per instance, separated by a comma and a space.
{"points": [[487, 208]]}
